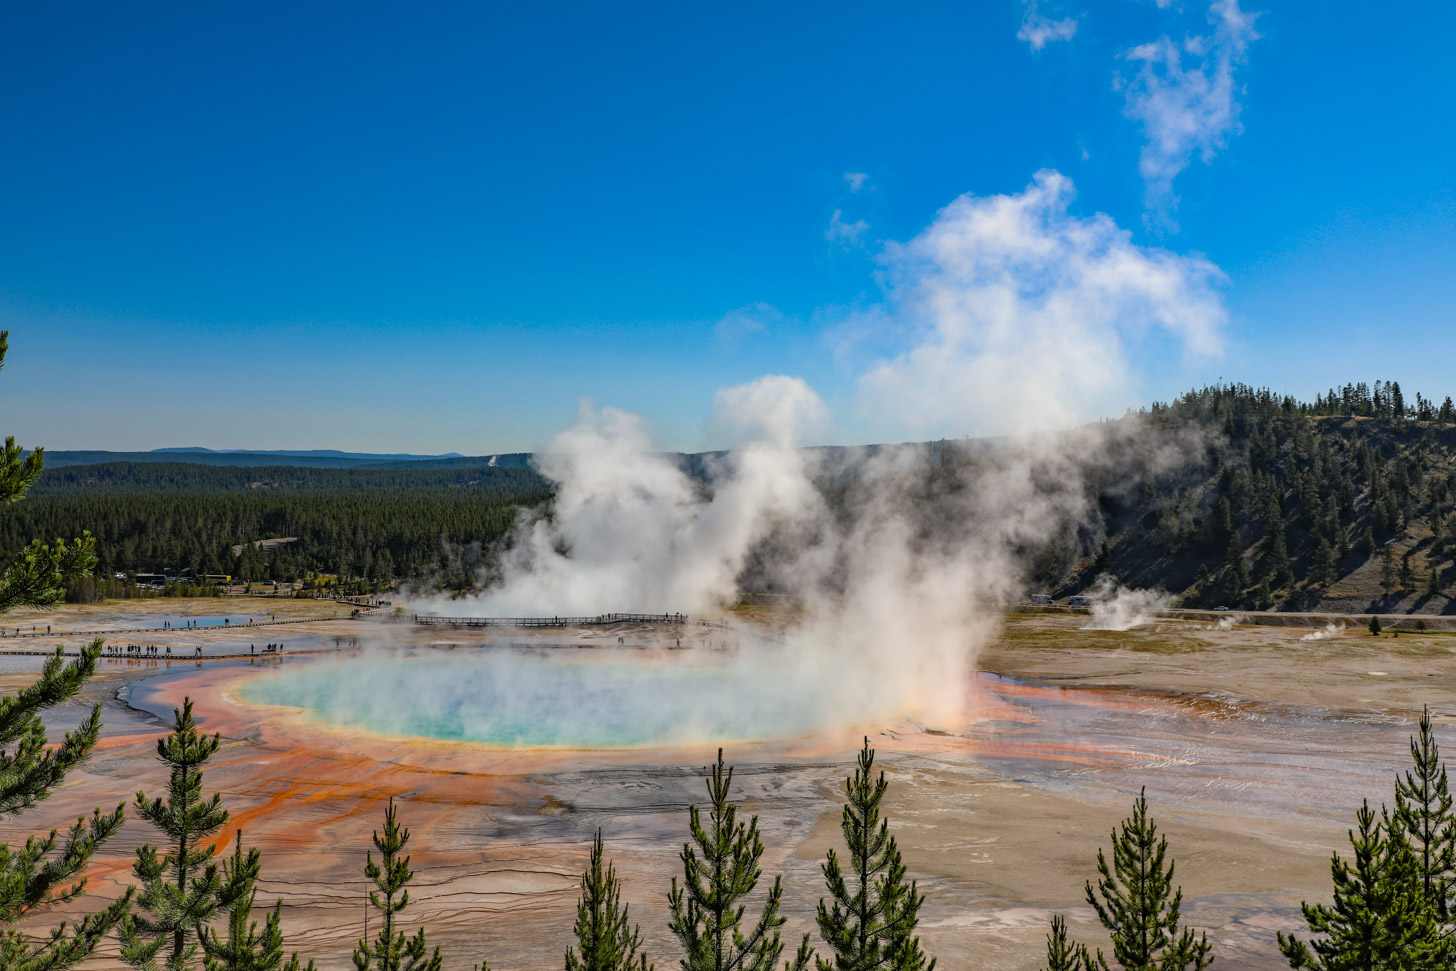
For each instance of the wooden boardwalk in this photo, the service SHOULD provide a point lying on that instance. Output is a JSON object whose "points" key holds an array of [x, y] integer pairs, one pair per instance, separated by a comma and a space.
{"points": [[6, 634], [600, 620], [180, 658]]}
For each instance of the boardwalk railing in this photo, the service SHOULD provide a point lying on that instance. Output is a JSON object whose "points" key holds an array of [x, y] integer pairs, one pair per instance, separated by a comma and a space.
{"points": [[598, 620], [356, 601]]}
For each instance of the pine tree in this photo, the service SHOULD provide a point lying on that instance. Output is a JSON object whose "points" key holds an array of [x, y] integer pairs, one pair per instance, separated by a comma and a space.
{"points": [[1224, 532], [1423, 814], [47, 869], [1273, 516], [1136, 902], [1238, 572], [244, 948], [871, 922], [605, 940], [1375, 625], [1387, 570], [1279, 552], [178, 889], [708, 908], [37, 576], [391, 951], [1062, 954], [1322, 573], [1265, 594], [1378, 920]]}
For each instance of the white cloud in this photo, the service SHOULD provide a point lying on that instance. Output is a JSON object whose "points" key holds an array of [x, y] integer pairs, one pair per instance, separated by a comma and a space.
{"points": [[754, 318], [1019, 316], [856, 180], [1185, 99], [1038, 30], [844, 233]]}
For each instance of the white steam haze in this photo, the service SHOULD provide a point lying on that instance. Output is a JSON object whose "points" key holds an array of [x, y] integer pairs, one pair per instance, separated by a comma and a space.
{"points": [[1325, 633], [1007, 311], [631, 532], [1115, 607]]}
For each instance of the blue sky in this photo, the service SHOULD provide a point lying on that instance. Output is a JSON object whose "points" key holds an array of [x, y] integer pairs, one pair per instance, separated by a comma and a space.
{"points": [[438, 227]]}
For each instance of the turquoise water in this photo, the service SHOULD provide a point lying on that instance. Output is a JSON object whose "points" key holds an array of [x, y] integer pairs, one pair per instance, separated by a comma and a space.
{"points": [[565, 698]]}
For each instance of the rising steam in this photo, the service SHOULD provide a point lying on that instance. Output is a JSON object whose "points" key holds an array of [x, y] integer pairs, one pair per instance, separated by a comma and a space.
{"points": [[1023, 316], [1115, 607]]}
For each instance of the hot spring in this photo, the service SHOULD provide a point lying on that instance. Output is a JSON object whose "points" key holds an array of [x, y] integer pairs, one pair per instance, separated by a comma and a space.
{"points": [[564, 697]]}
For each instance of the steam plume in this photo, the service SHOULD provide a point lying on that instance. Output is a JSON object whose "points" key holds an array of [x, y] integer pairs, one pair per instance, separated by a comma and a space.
{"points": [[1021, 315], [1115, 607]]}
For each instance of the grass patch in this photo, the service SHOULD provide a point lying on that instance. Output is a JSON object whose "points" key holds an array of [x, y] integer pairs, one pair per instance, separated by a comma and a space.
{"points": [[1054, 639], [1413, 645]]}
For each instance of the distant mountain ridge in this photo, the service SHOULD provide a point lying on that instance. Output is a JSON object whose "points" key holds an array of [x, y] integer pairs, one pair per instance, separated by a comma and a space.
{"points": [[312, 458], [309, 453]]}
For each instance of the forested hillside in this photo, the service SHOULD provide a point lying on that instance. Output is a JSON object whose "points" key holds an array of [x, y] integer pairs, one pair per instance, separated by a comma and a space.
{"points": [[376, 526], [133, 478], [1347, 502]]}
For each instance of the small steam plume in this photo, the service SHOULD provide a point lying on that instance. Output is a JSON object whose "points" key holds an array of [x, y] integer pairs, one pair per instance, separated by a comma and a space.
{"points": [[1325, 633], [1020, 315], [1115, 607]]}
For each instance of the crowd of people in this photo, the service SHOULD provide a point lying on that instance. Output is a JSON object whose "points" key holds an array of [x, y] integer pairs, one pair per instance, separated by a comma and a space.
{"points": [[158, 650], [145, 650]]}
